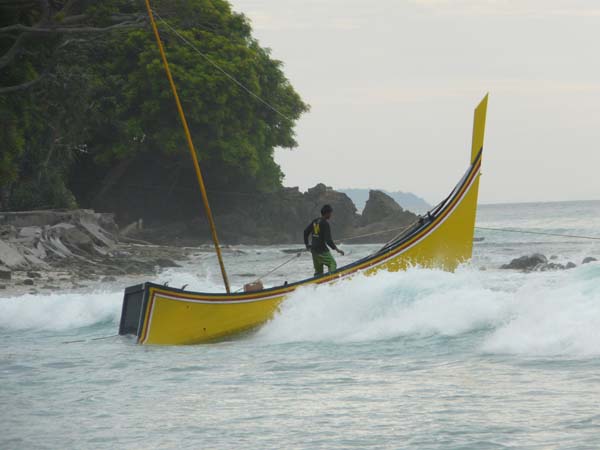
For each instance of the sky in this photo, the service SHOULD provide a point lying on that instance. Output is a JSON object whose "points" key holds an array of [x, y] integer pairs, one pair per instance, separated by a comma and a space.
{"points": [[392, 86]]}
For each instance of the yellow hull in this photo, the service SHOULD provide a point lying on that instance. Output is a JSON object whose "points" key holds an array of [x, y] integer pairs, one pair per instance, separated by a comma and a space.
{"points": [[167, 316]]}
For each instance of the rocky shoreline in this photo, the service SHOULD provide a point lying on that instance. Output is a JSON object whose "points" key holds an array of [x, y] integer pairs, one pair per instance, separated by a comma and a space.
{"points": [[49, 250], [56, 249]]}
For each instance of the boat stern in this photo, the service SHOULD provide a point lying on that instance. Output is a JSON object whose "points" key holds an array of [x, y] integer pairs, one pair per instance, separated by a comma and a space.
{"points": [[133, 310]]}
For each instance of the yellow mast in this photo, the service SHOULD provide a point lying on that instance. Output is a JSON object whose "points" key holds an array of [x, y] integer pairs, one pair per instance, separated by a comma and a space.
{"points": [[188, 137]]}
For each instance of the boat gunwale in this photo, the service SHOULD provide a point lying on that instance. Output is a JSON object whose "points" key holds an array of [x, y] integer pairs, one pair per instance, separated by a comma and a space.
{"points": [[413, 237]]}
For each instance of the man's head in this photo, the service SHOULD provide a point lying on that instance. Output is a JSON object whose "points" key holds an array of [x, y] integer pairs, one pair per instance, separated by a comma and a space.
{"points": [[326, 211]]}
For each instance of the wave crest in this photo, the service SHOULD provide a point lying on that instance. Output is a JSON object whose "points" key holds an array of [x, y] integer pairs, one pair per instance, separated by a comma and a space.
{"points": [[542, 313]]}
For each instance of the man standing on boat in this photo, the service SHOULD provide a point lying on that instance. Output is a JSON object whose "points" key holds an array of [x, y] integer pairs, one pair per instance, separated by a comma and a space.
{"points": [[320, 233]]}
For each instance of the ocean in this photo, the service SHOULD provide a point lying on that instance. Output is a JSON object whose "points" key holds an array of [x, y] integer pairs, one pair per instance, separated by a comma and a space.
{"points": [[482, 358]]}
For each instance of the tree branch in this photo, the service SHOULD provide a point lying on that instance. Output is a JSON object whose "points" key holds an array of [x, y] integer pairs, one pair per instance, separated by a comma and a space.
{"points": [[12, 51], [18, 3], [59, 30], [73, 19], [21, 87]]}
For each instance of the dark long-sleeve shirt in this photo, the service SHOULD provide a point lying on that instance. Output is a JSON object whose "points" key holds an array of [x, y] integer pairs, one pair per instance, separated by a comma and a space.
{"points": [[320, 233]]}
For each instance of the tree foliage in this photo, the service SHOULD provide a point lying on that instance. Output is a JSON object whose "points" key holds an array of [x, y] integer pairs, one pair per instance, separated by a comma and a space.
{"points": [[85, 103]]}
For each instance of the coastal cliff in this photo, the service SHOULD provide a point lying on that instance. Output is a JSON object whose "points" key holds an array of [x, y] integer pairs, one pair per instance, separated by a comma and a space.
{"points": [[280, 218]]}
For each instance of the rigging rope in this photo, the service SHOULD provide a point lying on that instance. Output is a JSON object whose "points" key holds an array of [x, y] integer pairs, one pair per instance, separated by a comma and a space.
{"points": [[90, 339], [573, 236], [297, 255], [223, 71], [375, 233], [293, 258]]}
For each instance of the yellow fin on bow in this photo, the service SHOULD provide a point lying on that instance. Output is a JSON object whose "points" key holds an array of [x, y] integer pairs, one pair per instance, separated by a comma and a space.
{"points": [[479, 127]]}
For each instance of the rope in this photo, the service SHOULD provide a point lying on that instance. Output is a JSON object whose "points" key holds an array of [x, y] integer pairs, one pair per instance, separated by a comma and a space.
{"points": [[297, 255], [376, 233], [573, 236], [223, 71], [406, 227], [92, 339]]}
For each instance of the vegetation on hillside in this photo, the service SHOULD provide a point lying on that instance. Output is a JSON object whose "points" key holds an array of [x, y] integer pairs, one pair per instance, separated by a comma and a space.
{"points": [[86, 111]]}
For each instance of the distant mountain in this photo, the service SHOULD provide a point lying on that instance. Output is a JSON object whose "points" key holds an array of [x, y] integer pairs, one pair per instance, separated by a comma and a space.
{"points": [[407, 200]]}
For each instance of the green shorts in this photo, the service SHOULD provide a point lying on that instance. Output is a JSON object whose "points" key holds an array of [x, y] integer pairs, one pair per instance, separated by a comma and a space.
{"points": [[323, 259]]}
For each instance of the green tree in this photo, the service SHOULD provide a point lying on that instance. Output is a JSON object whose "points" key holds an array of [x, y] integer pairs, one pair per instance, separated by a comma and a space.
{"points": [[102, 115]]}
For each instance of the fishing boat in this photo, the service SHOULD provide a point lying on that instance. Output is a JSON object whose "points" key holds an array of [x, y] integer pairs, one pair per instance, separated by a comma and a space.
{"points": [[441, 238]]}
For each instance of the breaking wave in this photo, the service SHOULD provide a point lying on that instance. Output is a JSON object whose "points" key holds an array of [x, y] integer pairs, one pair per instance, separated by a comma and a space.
{"points": [[66, 310], [60, 311], [552, 313], [541, 314]]}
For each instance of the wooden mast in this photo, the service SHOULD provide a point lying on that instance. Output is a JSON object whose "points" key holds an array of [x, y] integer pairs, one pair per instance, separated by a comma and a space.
{"points": [[190, 144]]}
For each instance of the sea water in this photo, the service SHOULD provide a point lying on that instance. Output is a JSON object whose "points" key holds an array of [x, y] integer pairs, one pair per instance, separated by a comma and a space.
{"points": [[481, 358]]}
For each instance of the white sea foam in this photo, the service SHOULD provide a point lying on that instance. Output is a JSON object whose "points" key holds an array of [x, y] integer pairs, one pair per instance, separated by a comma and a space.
{"points": [[60, 311], [542, 313], [553, 313], [415, 302]]}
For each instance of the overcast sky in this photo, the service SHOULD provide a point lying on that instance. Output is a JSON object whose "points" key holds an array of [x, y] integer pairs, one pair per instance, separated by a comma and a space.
{"points": [[392, 85]]}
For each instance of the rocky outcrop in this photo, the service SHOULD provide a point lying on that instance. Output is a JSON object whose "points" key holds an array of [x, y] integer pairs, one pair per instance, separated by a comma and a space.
{"points": [[280, 218], [527, 262], [382, 220], [380, 207], [588, 260], [538, 263]]}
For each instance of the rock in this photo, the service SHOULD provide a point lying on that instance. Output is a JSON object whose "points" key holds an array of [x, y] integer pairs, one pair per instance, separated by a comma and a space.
{"points": [[108, 279], [138, 266], [5, 274], [30, 235], [344, 212], [74, 238], [549, 266], [588, 260], [165, 263], [553, 257], [132, 229], [32, 274], [11, 257], [7, 232], [379, 207], [527, 262], [28, 282], [570, 265]]}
